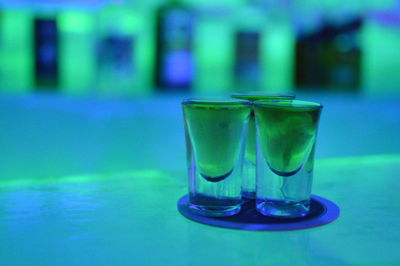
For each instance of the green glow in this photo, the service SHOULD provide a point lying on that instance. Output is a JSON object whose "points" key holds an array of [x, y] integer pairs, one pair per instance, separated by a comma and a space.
{"points": [[75, 22], [278, 46], [144, 51], [77, 57], [16, 60], [147, 174], [380, 65], [68, 179], [213, 48], [119, 18]]}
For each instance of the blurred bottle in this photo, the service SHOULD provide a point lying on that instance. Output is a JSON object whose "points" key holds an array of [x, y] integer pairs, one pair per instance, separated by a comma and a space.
{"points": [[248, 36], [174, 68], [346, 66], [330, 59], [116, 69], [46, 54], [115, 61], [247, 65]]}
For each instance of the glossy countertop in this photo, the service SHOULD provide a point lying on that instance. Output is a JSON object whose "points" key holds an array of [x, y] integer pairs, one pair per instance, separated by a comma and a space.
{"points": [[95, 182]]}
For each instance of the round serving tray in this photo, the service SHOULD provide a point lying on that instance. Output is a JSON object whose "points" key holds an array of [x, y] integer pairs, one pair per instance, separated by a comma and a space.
{"points": [[322, 211]]}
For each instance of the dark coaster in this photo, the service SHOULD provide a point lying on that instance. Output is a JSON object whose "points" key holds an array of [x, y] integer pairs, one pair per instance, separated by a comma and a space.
{"points": [[322, 211]]}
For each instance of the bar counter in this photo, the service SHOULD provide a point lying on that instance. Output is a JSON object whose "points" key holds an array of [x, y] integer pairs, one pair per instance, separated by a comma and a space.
{"points": [[95, 182]]}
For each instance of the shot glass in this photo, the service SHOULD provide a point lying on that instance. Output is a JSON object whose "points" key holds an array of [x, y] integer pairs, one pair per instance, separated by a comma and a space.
{"points": [[286, 136], [215, 130], [249, 163]]}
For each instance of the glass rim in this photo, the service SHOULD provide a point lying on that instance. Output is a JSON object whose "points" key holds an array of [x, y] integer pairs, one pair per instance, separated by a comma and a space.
{"points": [[249, 95], [294, 104], [216, 101]]}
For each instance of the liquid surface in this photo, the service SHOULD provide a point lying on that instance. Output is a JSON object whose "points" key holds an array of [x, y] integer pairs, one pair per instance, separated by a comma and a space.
{"points": [[260, 96]]}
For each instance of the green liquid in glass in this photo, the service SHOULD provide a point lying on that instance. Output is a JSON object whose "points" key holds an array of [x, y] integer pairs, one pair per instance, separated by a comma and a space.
{"points": [[286, 135], [250, 153], [215, 131]]}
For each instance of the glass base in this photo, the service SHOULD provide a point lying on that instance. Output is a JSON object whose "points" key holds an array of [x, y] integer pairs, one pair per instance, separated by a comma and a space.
{"points": [[284, 209], [249, 195], [214, 211]]}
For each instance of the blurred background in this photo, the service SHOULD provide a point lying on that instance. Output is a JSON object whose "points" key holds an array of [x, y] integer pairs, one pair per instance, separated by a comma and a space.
{"points": [[92, 141], [141, 47], [94, 86]]}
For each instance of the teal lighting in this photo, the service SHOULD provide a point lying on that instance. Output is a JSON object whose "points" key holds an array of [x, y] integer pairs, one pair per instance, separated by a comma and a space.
{"points": [[366, 159]]}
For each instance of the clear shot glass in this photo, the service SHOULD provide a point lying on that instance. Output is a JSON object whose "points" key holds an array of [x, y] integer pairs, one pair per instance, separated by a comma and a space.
{"points": [[249, 163], [286, 135], [215, 130]]}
